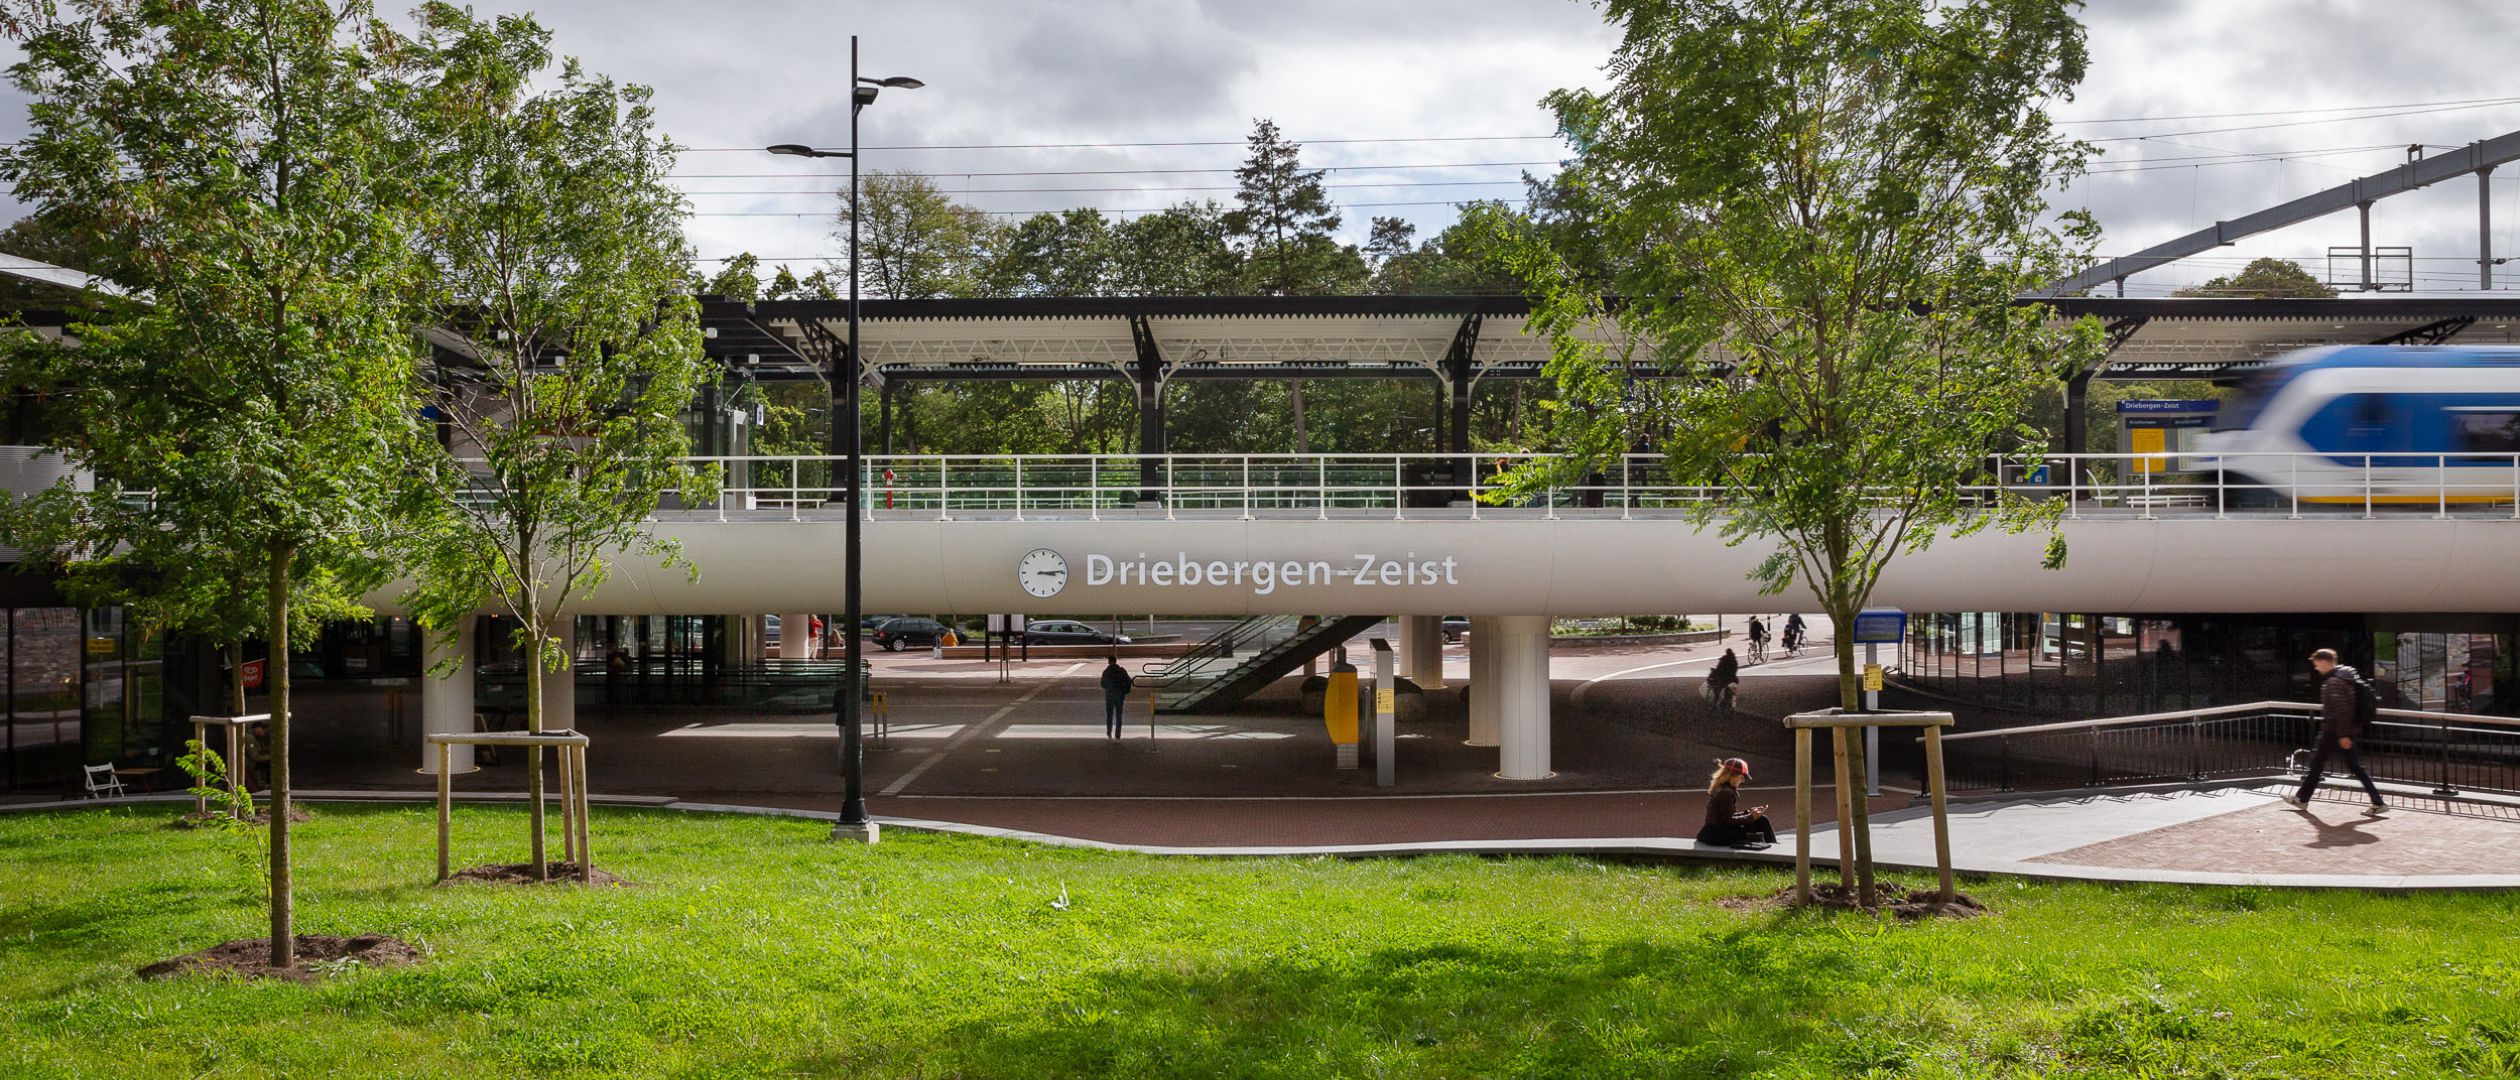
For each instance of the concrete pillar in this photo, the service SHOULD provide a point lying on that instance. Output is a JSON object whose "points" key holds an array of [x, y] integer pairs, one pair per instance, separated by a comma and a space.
{"points": [[796, 637], [559, 696], [1422, 650], [446, 705], [1521, 689], [1483, 699]]}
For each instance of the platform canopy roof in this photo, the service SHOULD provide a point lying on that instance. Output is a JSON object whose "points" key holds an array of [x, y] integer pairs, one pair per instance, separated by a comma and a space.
{"points": [[1414, 336]]}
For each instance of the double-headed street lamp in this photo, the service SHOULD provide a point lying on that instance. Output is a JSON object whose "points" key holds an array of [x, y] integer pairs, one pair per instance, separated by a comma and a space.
{"points": [[845, 442]]}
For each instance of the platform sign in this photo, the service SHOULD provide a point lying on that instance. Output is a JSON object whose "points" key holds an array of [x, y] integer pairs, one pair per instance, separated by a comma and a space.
{"points": [[1880, 626], [2167, 427]]}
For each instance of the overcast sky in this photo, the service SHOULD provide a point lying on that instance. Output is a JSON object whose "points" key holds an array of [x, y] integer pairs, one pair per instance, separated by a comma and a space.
{"points": [[742, 73]]}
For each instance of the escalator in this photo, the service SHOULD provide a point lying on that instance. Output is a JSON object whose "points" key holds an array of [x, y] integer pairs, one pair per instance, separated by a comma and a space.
{"points": [[1245, 657]]}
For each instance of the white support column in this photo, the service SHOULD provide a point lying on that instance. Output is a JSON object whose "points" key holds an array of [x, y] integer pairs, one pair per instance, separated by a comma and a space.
{"points": [[446, 705], [1483, 681], [1422, 650], [559, 697], [1521, 690], [796, 637]]}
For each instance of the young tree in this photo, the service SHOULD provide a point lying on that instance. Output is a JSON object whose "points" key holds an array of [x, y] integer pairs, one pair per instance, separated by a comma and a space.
{"points": [[1824, 212], [559, 254], [241, 153], [1286, 224]]}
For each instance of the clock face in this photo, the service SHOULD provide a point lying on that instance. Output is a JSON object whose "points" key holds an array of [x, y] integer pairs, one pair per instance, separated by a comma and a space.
{"points": [[1042, 572]]}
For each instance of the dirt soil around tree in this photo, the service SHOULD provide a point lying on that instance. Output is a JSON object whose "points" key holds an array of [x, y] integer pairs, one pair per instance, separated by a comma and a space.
{"points": [[523, 874], [1893, 898], [318, 955]]}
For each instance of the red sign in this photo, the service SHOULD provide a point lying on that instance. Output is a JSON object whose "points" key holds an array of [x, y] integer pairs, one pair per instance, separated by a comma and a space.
{"points": [[253, 674]]}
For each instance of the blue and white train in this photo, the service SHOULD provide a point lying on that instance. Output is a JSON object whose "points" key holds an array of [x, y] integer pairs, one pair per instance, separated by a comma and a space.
{"points": [[2375, 425]]}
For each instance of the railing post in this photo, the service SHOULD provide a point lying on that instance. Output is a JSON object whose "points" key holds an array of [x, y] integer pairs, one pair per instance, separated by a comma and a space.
{"points": [[2196, 750], [1093, 487], [1246, 486], [2073, 487], [796, 489], [1474, 489], [944, 490], [2148, 495], [2218, 495], [2095, 757], [1321, 485], [2441, 486], [1172, 483], [2295, 486], [2446, 789], [1399, 490], [2366, 485], [2003, 764], [1627, 487], [1019, 487]]}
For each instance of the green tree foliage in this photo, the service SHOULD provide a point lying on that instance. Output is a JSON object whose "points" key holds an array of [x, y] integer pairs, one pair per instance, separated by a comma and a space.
{"points": [[917, 242], [1069, 253], [558, 253], [242, 150], [1285, 224], [1183, 250], [1823, 213], [2265, 278]]}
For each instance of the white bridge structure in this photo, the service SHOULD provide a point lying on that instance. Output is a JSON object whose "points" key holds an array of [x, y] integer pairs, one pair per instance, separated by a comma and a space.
{"points": [[1329, 538]]}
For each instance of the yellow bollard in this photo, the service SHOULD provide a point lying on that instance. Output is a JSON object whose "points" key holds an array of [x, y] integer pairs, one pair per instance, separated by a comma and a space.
{"points": [[1338, 714]]}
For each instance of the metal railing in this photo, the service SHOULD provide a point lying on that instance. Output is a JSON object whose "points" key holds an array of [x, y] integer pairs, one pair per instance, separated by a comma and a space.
{"points": [[2453, 752], [1400, 486]]}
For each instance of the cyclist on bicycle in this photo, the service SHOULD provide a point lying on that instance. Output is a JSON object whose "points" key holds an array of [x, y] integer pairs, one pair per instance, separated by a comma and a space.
{"points": [[1758, 639], [1723, 681], [1794, 631]]}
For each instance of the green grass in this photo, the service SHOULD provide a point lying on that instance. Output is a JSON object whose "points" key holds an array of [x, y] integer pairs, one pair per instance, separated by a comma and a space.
{"points": [[754, 948]]}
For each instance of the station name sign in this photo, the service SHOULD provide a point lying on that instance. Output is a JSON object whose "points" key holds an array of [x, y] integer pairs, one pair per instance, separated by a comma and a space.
{"points": [[1044, 572]]}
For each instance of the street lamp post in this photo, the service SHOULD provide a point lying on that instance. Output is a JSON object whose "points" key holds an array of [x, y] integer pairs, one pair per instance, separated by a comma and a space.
{"points": [[845, 442]]}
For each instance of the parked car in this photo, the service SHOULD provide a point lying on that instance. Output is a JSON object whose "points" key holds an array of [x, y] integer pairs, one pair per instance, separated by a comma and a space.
{"points": [[1067, 632], [1454, 627], [907, 631]]}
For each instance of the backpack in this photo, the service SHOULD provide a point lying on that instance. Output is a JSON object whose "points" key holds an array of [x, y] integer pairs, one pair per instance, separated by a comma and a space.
{"points": [[2366, 703]]}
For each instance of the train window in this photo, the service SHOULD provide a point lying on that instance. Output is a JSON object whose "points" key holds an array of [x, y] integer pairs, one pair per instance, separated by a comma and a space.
{"points": [[2486, 431]]}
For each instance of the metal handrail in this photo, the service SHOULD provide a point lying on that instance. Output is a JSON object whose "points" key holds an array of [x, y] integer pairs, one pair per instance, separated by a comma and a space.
{"points": [[2448, 750], [2251, 708], [2141, 486]]}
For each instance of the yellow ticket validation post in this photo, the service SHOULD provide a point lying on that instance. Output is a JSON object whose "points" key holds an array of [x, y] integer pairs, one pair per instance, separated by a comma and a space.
{"points": [[1338, 713]]}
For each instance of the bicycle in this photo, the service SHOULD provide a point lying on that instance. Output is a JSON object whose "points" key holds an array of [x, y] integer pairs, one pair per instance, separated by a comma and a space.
{"points": [[1724, 700], [1758, 650], [1793, 645]]}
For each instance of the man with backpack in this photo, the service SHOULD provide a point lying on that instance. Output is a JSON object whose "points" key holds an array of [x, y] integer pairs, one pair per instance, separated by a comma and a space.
{"points": [[2347, 705], [1116, 685]]}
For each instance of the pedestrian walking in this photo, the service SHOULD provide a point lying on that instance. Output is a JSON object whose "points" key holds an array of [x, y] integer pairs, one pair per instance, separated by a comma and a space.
{"points": [[2346, 707], [1116, 685], [1726, 822]]}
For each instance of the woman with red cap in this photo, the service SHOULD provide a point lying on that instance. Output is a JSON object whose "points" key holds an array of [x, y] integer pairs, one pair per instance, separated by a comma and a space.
{"points": [[1726, 822]]}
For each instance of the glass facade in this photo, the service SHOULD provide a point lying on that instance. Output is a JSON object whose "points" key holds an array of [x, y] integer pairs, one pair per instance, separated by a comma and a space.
{"points": [[2052, 665]]}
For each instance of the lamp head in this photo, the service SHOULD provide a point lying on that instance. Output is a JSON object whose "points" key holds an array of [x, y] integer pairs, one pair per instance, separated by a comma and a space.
{"points": [[900, 82], [792, 150], [865, 96]]}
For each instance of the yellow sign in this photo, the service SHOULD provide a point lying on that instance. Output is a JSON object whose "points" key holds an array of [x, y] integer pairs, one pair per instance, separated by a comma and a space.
{"points": [[880, 701], [1386, 701], [1872, 676], [100, 646]]}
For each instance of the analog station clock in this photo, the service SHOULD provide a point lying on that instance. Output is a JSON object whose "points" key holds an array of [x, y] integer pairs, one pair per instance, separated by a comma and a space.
{"points": [[1042, 572]]}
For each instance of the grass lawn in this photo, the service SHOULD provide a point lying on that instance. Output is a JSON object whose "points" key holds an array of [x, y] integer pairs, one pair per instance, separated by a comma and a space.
{"points": [[754, 948]]}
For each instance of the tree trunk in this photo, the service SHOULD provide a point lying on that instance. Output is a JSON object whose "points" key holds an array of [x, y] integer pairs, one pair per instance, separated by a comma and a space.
{"points": [[236, 677], [283, 913], [1303, 443], [534, 754], [1850, 699]]}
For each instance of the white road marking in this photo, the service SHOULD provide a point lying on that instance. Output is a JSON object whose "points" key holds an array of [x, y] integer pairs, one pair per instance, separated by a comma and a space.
{"points": [[896, 786]]}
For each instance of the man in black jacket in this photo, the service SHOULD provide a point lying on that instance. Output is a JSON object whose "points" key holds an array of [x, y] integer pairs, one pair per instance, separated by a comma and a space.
{"points": [[1116, 685], [2340, 723]]}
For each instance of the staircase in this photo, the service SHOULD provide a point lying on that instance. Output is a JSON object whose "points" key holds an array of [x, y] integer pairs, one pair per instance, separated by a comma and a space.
{"points": [[1245, 657]]}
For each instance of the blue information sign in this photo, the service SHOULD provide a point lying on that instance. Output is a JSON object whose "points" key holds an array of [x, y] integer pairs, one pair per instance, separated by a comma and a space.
{"points": [[1880, 626]]}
